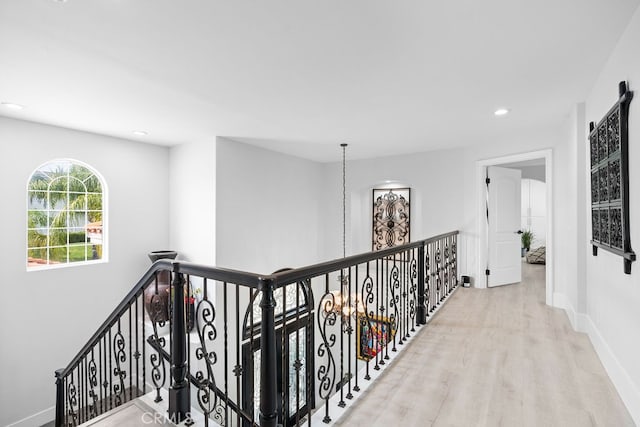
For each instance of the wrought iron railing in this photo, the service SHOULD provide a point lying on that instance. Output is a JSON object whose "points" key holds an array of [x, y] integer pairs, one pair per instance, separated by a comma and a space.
{"points": [[289, 348]]}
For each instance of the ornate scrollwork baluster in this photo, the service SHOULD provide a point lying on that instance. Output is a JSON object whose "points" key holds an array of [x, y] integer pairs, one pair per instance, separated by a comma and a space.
{"points": [[438, 275], [427, 280], [445, 274], [327, 317], [93, 383], [120, 359], [454, 261], [158, 372], [367, 298], [413, 287], [72, 402], [207, 333], [394, 287]]}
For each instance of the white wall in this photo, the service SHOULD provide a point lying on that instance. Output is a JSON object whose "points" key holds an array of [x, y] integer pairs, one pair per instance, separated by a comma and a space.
{"points": [[436, 183], [532, 172], [612, 315], [46, 316], [268, 209], [192, 183]]}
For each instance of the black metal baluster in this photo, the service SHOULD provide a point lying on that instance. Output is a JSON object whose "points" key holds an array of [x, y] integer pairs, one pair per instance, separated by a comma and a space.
{"points": [[189, 319], [237, 370], [144, 346], [297, 364], [110, 370], [130, 358], [284, 360], [309, 356], [94, 383], [137, 353], [455, 251], [367, 375], [100, 376], [380, 310], [358, 301], [226, 351], [344, 300], [421, 309], [327, 317], [82, 370], [442, 271], [171, 301], [403, 297], [405, 294], [353, 311], [393, 281], [253, 295], [385, 278]]}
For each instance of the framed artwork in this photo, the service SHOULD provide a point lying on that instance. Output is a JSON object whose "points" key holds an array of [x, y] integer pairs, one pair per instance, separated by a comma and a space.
{"points": [[372, 335], [391, 209], [608, 140]]}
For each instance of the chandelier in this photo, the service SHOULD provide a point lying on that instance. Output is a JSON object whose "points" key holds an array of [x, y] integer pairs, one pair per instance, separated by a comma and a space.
{"points": [[344, 303]]}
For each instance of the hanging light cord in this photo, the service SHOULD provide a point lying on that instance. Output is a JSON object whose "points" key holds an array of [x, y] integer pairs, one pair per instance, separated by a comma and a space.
{"points": [[344, 201]]}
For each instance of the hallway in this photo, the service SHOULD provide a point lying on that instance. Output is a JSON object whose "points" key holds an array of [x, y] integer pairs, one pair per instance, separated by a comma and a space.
{"points": [[495, 357]]}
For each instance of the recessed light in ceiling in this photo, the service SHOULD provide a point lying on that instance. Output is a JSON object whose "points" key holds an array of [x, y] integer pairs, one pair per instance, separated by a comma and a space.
{"points": [[140, 133], [12, 106], [501, 112]]}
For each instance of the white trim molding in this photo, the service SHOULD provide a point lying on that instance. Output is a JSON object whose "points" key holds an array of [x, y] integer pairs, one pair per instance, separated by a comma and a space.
{"points": [[629, 391]]}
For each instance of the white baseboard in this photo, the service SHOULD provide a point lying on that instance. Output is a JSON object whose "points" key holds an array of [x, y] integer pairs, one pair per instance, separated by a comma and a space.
{"points": [[560, 300], [36, 420], [627, 389]]}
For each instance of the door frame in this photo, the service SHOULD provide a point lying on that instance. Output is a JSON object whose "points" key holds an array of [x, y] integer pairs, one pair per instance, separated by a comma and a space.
{"points": [[483, 237]]}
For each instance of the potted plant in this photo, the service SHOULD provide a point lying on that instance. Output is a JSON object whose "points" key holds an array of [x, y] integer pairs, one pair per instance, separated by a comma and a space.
{"points": [[527, 239]]}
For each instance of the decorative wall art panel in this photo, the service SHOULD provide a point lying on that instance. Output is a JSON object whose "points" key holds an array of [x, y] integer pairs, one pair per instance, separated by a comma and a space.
{"points": [[609, 144], [373, 335], [391, 208]]}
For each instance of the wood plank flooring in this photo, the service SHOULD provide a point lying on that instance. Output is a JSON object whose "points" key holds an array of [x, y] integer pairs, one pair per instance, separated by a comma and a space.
{"points": [[495, 357]]}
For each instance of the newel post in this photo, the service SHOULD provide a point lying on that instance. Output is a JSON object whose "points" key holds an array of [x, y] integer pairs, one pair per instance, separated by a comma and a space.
{"points": [[268, 364], [421, 312], [59, 398], [179, 397]]}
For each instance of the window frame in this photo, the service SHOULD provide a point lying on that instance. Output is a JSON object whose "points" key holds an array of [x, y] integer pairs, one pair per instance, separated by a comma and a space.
{"points": [[68, 226]]}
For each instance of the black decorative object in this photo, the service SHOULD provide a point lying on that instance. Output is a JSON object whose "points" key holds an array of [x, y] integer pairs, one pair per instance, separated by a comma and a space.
{"points": [[609, 144], [391, 208]]}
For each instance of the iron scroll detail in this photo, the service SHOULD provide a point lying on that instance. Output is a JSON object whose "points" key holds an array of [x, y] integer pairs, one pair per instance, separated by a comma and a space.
{"points": [[609, 145]]}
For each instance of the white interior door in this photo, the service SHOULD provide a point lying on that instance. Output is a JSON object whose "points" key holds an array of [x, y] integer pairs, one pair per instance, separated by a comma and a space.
{"points": [[504, 225]]}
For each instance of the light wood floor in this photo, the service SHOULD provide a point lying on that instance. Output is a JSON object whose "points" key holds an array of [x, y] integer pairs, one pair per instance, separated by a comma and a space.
{"points": [[495, 357]]}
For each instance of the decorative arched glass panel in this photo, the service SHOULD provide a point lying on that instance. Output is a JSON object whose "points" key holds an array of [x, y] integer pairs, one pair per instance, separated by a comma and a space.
{"points": [[294, 330], [65, 215]]}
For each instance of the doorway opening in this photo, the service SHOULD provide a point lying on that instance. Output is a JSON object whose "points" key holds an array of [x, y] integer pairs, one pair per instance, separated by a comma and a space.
{"points": [[535, 182]]}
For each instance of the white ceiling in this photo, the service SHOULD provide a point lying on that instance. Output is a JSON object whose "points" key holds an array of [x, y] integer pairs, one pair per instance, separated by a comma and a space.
{"points": [[303, 76]]}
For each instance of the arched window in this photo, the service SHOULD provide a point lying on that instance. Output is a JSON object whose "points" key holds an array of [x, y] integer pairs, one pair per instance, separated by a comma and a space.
{"points": [[65, 215]]}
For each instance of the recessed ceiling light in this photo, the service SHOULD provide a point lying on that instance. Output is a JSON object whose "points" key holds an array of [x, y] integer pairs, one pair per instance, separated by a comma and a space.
{"points": [[140, 133], [12, 106], [501, 112]]}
